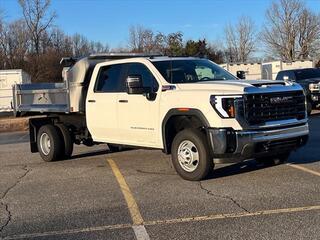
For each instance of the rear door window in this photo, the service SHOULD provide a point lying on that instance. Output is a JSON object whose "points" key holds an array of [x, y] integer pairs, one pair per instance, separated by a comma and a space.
{"points": [[109, 78]]}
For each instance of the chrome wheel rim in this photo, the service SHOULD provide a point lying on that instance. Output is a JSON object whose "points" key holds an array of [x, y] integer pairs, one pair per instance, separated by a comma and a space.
{"points": [[45, 143], [188, 156]]}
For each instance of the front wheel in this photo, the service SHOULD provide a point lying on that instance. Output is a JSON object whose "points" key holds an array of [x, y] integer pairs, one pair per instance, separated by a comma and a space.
{"points": [[191, 157], [309, 107]]}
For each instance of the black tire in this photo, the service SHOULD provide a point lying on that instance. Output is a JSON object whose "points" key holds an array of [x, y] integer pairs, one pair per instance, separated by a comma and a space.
{"points": [[204, 164], [56, 142], [274, 160], [309, 107], [67, 140]]}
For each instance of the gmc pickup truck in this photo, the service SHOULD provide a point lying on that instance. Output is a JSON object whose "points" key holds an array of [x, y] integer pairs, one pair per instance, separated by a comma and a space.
{"points": [[309, 79], [188, 107]]}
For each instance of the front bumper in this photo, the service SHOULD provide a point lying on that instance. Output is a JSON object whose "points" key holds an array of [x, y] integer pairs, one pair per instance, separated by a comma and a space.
{"points": [[235, 146]]}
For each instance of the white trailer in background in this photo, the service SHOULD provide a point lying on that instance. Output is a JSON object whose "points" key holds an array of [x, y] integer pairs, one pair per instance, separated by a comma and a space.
{"points": [[266, 70], [8, 78], [271, 69], [252, 70]]}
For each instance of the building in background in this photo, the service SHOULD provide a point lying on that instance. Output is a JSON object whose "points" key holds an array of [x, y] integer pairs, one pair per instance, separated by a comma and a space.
{"points": [[7, 79], [266, 70]]}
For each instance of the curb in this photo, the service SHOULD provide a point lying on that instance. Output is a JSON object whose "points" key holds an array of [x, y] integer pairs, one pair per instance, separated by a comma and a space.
{"points": [[14, 124]]}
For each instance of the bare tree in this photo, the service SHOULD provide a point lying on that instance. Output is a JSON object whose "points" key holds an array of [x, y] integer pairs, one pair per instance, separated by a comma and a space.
{"points": [[98, 47], [308, 34], [81, 46], [160, 43], [136, 38], [2, 53], [14, 44], [141, 39], [38, 20], [60, 42], [291, 30], [240, 40]]}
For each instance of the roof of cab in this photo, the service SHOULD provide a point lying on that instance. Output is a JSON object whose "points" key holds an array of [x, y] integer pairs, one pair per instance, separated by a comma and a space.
{"points": [[168, 58]]}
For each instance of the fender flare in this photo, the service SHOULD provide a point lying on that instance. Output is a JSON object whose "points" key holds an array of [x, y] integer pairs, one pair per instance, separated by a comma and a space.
{"points": [[181, 112]]}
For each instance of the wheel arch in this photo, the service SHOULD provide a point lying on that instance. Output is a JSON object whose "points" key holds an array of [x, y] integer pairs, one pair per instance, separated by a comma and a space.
{"points": [[185, 116]]}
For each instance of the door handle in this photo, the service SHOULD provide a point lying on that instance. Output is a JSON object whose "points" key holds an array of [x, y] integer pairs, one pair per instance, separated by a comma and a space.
{"points": [[92, 101], [123, 101]]}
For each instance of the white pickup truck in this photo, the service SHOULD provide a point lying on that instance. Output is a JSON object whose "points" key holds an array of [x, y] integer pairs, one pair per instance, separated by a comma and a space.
{"points": [[189, 107]]}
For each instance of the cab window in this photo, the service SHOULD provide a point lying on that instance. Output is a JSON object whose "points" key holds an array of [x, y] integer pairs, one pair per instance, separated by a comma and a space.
{"points": [[109, 78], [148, 79]]}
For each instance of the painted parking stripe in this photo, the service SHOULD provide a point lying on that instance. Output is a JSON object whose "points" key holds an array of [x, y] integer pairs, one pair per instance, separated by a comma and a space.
{"points": [[139, 230], [67, 231], [138, 227], [304, 169], [233, 215]]}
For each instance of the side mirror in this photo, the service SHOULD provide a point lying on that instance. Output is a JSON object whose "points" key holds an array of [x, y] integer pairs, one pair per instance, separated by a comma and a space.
{"points": [[134, 84], [241, 74]]}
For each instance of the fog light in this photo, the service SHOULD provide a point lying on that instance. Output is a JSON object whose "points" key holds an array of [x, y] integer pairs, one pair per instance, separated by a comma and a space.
{"points": [[314, 97]]}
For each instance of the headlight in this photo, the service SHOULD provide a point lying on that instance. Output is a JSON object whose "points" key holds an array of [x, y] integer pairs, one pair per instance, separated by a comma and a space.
{"points": [[224, 105], [314, 86]]}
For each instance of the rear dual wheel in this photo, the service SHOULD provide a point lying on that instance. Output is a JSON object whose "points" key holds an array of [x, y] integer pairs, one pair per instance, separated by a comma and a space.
{"points": [[67, 140], [54, 142]]}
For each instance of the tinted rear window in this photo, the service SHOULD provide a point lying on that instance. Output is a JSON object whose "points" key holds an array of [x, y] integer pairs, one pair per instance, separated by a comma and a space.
{"points": [[109, 79]]}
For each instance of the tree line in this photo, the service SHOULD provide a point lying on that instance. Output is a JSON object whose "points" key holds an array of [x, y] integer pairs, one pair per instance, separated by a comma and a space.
{"points": [[290, 32]]}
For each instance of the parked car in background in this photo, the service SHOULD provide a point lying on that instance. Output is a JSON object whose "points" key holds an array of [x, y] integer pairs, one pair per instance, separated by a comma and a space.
{"points": [[309, 79]]}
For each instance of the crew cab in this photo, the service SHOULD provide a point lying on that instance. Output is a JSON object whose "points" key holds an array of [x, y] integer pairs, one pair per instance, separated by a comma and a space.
{"points": [[309, 79], [189, 107]]}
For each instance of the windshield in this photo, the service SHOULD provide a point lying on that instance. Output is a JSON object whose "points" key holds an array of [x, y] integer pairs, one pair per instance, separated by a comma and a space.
{"points": [[191, 71], [307, 73]]}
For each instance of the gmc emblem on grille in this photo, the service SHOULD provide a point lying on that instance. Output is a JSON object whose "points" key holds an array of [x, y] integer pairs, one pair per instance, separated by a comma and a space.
{"points": [[276, 100]]}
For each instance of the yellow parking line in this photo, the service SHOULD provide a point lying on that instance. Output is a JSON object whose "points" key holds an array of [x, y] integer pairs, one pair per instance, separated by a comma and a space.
{"points": [[232, 215], [304, 169], [142, 235], [132, 205], [67, 232]]}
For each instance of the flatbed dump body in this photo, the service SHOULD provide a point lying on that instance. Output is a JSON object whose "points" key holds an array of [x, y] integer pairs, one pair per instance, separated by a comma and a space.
{"points": [[67, 96], [42, 98]]}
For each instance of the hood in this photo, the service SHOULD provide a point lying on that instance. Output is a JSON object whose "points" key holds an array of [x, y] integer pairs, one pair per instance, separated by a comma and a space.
{"points": [[311, 80], [234, 86]]}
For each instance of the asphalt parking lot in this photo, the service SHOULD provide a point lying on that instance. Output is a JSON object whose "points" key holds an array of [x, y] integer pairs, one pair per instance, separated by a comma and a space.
{"points": [[137, 195]]}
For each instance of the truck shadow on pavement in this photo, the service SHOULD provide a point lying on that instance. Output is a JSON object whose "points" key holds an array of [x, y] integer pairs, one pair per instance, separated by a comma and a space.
{"points": [[237, 168], [95, 153], [89, 154]]}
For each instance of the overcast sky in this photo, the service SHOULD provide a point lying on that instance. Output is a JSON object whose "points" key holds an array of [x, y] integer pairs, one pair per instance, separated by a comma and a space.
{"points": [[108, 20]]}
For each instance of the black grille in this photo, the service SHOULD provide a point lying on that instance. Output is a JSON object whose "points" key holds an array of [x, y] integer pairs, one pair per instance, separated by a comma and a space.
{"points": [[260, 108]]}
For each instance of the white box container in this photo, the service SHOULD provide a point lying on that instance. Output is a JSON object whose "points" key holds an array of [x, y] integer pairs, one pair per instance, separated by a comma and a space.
{"points": [[7, 79]]}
